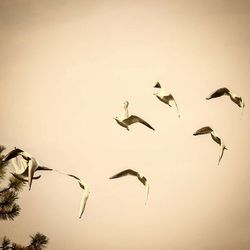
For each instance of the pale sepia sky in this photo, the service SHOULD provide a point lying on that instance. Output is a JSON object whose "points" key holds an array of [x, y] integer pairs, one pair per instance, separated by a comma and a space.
{"points": [[66, 67]]}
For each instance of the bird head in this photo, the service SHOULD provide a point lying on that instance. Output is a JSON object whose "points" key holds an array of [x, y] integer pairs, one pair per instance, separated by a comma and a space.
{"points": [[126, 103]]}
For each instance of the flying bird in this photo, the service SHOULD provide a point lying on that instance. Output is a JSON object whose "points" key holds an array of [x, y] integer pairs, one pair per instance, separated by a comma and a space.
{"points": [[165, 97], [215, 137], [140, 177], [86, 192], [85, 195], [21, 169], [27, 166], [125, 120], [225, 91]]}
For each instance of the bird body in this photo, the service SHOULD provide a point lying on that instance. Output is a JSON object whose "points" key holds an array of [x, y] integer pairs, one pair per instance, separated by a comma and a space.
{"points": [[20, 165], [125, 120], [141, 177], [165, 97], [215, 137]]}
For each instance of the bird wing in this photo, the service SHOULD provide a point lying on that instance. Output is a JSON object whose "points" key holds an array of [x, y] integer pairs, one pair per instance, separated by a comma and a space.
{"points": [[85, 197], [27, 156], [133, 119], [219, 92], [32, 167], [175, 103], [237, 100], [12, 154], [124, 173], [83, 203], [44, 168], [25, 178], [73, 176], [216, 138], [202, 131], [83, 186], [221, 152], [143, 180]]}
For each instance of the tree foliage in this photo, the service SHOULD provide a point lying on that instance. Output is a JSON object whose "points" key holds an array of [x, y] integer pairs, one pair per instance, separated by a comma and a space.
{"points": [[38, 242], [9, 209]]}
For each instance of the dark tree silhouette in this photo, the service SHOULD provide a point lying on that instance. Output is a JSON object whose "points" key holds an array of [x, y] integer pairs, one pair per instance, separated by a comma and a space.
{"points": [[6, 244], [9, 209], [38, 242]]}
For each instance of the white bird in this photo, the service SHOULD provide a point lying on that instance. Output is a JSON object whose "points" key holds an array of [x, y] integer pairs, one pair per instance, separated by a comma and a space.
{"points": [[225, 91], [125, 120], [21, 169], [215, 137], [140, 177], [85, 195], [165, 97], [26, 166]]}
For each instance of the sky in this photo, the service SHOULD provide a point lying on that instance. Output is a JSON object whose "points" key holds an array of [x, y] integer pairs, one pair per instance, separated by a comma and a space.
{"points": [[66, 68]]}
